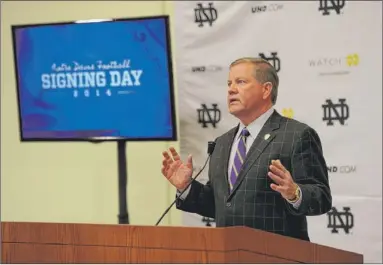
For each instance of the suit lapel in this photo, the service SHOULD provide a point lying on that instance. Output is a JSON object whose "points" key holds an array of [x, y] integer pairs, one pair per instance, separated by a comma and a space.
{"points": [[226, 154], [263, 139]]}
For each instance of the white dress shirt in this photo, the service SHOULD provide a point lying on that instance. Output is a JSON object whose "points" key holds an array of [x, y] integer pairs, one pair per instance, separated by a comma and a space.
{"points": [[254, 128]]}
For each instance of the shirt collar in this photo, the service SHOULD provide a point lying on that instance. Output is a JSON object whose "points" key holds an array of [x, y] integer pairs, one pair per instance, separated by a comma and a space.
{"points": [[255, 126]]}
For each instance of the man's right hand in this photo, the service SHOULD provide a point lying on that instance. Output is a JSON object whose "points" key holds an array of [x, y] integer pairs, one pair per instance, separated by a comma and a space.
{"points": [[178, 173]]}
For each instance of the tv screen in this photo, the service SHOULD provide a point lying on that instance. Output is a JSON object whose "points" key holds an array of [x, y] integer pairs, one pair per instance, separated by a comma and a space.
{"points": [[95, 80]]}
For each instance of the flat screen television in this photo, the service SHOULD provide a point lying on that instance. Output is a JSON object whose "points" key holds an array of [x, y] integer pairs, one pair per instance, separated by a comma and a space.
{"points": [[95, 80]]}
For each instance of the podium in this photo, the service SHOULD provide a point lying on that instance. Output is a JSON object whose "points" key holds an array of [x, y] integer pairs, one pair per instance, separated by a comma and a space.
{"points": [[24, 242]]}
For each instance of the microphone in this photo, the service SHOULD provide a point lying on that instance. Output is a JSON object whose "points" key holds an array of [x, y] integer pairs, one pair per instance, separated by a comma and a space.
{"points": [[210, 149]]}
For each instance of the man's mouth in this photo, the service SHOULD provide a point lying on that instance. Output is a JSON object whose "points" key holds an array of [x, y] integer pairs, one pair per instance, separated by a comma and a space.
{"points": [[233, 100]]}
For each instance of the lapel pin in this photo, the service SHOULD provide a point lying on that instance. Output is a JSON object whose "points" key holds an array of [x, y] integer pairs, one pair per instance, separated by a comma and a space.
{"points": [[267, 136]]}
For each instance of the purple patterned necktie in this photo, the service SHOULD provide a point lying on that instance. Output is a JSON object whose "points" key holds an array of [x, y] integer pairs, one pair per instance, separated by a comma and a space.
{"points": [[240, 155]]}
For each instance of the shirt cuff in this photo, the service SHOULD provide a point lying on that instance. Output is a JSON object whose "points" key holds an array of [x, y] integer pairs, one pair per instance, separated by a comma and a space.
{"points": [[185, 194]]}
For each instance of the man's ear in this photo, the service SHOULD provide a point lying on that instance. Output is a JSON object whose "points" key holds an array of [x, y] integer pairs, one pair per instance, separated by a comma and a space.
{"points": [[267, 88]]}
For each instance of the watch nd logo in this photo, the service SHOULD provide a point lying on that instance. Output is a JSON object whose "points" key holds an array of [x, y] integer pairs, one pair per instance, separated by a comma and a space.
{"points": [[352, 59]]}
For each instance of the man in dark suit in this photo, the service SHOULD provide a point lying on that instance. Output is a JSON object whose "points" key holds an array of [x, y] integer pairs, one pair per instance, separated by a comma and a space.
{"points": [[267, 173]]}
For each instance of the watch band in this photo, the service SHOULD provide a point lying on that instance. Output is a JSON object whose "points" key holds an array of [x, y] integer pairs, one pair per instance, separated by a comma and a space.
{"points": [[297, 195]]}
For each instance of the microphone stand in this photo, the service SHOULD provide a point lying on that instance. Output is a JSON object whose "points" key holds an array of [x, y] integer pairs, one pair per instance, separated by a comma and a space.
{"points": [[123, 216]]}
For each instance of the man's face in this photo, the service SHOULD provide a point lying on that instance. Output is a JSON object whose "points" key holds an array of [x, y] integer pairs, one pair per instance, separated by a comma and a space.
{"points": [[245, 93]]}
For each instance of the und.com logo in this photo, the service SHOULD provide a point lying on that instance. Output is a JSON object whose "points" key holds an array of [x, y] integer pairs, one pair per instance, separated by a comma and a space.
{"points": [[266, 8], [206, 68], [341, 169]]}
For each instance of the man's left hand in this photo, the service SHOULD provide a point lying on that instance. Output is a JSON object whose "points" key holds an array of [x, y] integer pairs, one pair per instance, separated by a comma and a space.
{"points": [[284, 183]]}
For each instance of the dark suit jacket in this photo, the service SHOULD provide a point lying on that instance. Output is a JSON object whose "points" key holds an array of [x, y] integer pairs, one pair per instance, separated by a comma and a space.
{"points": [[252, 202]]}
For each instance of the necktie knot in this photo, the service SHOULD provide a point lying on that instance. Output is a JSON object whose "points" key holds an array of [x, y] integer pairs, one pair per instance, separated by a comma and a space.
{"points": [[245, 132]]}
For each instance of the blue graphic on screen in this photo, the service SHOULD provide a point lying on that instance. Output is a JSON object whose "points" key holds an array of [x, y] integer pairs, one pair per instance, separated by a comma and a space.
{"points": [[95, 79]]}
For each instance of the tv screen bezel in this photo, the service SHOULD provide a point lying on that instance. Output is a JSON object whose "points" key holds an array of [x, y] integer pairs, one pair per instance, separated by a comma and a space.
{"points": [[173, 137]]}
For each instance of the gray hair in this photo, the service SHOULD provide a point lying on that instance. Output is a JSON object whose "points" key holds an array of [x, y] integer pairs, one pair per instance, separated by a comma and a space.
{"points": [[264, 72]]}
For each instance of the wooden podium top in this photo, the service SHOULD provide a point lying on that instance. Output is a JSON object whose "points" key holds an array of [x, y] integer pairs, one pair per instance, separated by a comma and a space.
{"points": [[85, 243]]}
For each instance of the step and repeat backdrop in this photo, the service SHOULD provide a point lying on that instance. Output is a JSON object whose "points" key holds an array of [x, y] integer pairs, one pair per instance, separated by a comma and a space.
{"points": [[328, 55]]}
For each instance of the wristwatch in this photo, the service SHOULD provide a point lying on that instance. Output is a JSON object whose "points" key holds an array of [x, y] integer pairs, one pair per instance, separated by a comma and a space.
{"points": [[297, 194]]}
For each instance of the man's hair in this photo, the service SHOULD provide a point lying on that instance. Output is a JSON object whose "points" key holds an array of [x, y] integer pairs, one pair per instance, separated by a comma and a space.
{"points": [[264, 72]]}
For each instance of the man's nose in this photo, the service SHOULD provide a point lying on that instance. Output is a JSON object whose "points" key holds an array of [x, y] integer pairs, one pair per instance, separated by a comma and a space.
{"points": [[232, 89]]}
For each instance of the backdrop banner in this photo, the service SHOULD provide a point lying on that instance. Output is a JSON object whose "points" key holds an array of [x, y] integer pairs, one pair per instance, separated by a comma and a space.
{"points": [[328, 55]]}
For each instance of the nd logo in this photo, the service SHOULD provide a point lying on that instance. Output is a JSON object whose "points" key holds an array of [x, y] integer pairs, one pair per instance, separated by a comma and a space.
{"points": [[352, 59], [288, 113]]}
